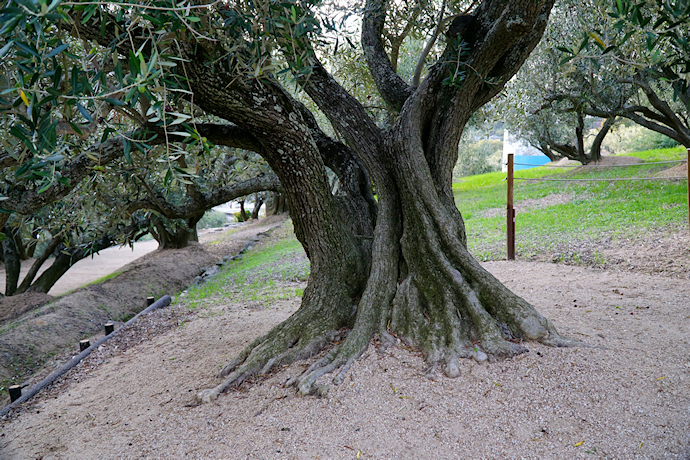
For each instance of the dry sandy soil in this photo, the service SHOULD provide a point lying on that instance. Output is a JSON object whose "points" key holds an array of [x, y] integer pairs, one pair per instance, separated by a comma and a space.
{"points": [[625, 396]]}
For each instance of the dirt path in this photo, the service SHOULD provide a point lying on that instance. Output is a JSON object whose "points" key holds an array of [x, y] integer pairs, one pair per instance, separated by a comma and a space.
{"points": [[627, 396]]}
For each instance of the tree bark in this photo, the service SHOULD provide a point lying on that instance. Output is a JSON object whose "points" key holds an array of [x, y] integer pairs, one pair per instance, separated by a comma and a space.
{"points": [[276, 204], [397, 265], [258, 202], [177, 237], [12, 261], [243, 212], [38, 263], [64, 260], [421, 284]]}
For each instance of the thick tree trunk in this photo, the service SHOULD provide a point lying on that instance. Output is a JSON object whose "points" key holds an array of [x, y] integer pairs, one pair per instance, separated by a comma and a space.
{"points": [[258, 202], [276, 204], [48, 278], [595, 150], [64, 260], [12, 262], [446, 303], [243, 213], [19, 244], [398, 266], [38, 263], [176, 238]]}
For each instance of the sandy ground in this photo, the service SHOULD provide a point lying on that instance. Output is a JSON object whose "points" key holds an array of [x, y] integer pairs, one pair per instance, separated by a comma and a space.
{"points": [[34, 331], [627, 396]]}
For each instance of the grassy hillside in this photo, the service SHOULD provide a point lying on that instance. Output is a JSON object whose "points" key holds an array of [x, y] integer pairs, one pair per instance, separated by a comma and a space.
{"points": [[275, 271], [556, 221], [555, 215]]}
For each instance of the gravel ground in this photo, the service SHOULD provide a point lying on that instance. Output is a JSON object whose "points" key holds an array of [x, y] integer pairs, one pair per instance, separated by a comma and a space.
{"points": [[625, 397]]}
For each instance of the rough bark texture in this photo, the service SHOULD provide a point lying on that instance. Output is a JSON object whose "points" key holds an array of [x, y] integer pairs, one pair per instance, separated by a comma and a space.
{"points": [[397, 265], [38, 263], [12, 262], [258, 202], [275, 204], [422, 284], [577, 152], [173, 238]]}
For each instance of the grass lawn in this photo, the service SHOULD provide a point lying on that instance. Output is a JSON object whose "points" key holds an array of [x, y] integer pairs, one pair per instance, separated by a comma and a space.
{"points": [[274, 271], [551, 214]]}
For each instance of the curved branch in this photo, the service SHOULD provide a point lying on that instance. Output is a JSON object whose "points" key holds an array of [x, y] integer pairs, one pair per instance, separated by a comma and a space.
{"points": [[26, 201], [192, 207], [392, 88], [659, 128], [427, 49], [662, 106], [396, 41]]}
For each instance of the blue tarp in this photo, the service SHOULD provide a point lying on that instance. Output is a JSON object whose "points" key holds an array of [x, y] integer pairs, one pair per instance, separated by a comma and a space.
{"points": [[533, 161]]}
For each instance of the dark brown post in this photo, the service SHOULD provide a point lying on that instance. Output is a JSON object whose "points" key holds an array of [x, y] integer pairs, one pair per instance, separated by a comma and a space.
{"points": [[109, 328], [15, 392], [149, 301], [688, 185], [510, 212], [84, 344]]}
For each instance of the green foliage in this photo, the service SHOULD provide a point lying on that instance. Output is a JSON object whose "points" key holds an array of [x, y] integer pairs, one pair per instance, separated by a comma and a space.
{"points": [[479, 157], [276, 270], [603, 59], [212, 219], [627, 138]]}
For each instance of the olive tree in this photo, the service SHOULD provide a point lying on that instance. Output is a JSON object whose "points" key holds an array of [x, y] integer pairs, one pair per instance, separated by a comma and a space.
{"points": [[393, 265]]}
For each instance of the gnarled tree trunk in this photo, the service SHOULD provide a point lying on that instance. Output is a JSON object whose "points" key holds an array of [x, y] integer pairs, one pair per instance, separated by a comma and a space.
{"points": [[258, 202], [12, 261], [396, 265], [276, 204], [419, 283]]}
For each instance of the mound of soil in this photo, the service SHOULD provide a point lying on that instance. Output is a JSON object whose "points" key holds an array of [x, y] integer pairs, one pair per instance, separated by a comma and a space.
{"points": [[14, 306], [28, 341], [679, 170]]}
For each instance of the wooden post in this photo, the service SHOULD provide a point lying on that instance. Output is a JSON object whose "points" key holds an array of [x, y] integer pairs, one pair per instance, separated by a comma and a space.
{"points": [[149, 301], [510, 211], [15, 392], [109, 328], [688, 186], [84, 344]]}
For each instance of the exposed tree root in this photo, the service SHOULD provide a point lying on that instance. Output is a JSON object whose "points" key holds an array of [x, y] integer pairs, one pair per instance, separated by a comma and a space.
{"points": [[290, 341], [440, 301]]}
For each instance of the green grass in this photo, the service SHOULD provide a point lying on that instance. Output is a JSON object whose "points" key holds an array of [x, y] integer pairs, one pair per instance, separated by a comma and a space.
{"points": [[274, 271], [585, 212], [674, 153], [562, 218]]}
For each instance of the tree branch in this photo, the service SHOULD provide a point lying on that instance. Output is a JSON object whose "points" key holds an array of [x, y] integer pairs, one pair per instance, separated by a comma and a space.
{"points": [[26, 201], [192, 207], [427, 49], [392, 88]]}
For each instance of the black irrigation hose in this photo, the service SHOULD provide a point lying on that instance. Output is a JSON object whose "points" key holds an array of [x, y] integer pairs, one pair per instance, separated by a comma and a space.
{"points": [[46, 382]]}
